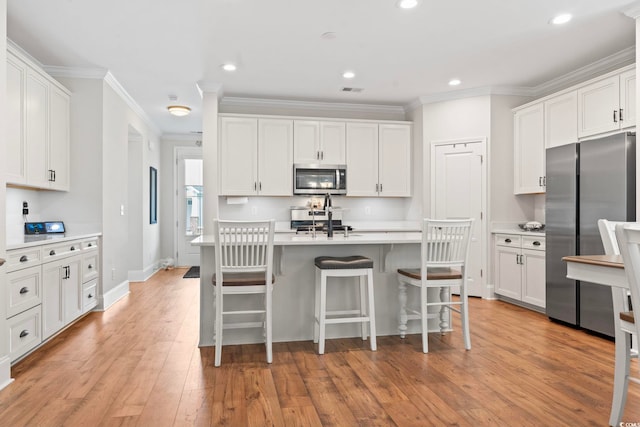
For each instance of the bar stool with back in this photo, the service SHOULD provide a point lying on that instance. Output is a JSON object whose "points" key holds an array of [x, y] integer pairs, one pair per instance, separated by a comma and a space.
{"points": [[444, 261], [243, 266]]}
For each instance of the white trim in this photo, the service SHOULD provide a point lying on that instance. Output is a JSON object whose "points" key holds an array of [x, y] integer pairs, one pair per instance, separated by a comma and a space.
{"points": [[5, 372], [469, 93], [231, 101], [143, 275], [179, 154], [188, 137], [115, 294], [633, 10], [487, 290], [205, 86], [76, 72]]}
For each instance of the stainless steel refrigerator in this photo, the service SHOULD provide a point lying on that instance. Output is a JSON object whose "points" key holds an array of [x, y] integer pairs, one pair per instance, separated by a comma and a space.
{"points": [[585, 182]]}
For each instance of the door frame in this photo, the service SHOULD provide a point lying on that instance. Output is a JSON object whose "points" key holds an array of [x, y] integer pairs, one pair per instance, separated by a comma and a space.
{"points": [[486, 291], [178, 154]]}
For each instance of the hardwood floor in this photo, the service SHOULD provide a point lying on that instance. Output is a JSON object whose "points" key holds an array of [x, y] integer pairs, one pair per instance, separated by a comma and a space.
{"points": [[138, 364]]}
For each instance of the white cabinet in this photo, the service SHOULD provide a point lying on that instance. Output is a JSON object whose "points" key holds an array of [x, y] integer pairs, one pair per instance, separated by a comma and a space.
{"points": [[529, 150], [256, 156], [38, 127], [520, 268], [378, 159], [62, 294], [607, 104], [319, 142], [561, 120]]}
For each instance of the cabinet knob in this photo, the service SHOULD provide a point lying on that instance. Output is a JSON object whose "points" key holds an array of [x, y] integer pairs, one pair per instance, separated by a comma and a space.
{"points": [[73, 248], [90, 244], [536, 243], [24, 290], [24, 333], [24, 258], [52, 252], [89, 296], [507, 240], [90, 266]]}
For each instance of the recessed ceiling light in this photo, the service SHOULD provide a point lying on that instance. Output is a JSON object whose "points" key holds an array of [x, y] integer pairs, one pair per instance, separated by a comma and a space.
{"points": [[179, 110], [561, 19], [454, 82], [229, 67], [407, 4], [348, 74]]}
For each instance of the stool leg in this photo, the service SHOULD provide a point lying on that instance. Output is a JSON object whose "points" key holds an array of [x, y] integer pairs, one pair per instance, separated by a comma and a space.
{"points": [[424, 319], [372, 310], [268, 322], [445, 296], [402, 318], [464, 312], [323, 311], [363, 306], [316, 320], [620, 377]]}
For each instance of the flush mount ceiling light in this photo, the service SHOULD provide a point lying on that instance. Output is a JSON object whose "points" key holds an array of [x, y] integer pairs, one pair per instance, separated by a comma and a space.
{"points": [[561, 19], [454, 82], [348, 74], [407, 4], [229, 67], [179, 110]]}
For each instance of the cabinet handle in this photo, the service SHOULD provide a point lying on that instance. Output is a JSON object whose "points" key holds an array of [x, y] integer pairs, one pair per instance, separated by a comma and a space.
{"points": [[90, 244], [376, 188], [615, 116], [536, 243], [73, 248], [544, 181], [317, 155], [322, 155], [50, 175], [24, 333], [52, 252], [90, 266], [517, 259], [24, 290], [260, 186], [89, 296], [381, 188], [24, 258], [507, 240], [621, 119], [255, 186], [54, 176]]}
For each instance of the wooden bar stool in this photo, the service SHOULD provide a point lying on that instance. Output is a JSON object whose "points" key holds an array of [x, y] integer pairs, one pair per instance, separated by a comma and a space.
{"points": [[352, 266]]}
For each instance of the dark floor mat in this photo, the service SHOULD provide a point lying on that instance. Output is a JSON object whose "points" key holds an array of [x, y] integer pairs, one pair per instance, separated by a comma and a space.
{"points": [[192, 273]]}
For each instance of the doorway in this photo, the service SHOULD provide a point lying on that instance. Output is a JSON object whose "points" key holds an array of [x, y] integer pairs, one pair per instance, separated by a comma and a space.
{"points": [[459, 190], [188, 204]]}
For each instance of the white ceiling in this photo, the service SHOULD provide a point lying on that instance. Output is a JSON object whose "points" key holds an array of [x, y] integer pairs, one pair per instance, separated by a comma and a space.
{"points": [[159, 48]]}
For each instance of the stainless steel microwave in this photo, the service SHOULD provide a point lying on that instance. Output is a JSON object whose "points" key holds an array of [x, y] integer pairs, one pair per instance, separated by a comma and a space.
{"points": [[317, 179]]}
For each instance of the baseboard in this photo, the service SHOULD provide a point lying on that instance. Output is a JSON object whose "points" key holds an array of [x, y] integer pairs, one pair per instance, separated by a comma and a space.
{"points": [[142, 275], [5, 372], [112, 296]]}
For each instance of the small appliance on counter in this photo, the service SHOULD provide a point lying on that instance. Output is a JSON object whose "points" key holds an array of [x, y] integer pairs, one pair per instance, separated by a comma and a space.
{"points": [[304, 219], [532, 226], [43, 230]]}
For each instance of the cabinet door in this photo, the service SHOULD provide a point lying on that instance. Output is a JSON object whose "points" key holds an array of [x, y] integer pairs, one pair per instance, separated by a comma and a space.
{"points": [[37, 129], [16, 145], [529, 150], [275, 157], [238, 156], [332, 143], [628, 99], [394, 160], [362, 159], [561, 120], [72, 289], [59, 139], [598, 105], [508, 272], [533, 277], [306, 141], [52, 288]]}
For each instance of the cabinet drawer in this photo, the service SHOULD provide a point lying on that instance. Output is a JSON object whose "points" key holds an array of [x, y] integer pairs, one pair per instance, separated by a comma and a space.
{"points": [[24, 290], [89, 266], [89, 295], [508, 240], [90, 244], [24, 332], [60, 250], [22, 258], [533, 242]]}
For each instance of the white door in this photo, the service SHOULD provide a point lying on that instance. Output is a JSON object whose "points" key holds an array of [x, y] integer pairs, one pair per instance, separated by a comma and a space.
{"points": [[189, 208], [459, 191]]}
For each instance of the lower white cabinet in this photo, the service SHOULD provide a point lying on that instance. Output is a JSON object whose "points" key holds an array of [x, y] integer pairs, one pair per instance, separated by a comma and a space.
{"points": [[520, 268], [48, 287]]}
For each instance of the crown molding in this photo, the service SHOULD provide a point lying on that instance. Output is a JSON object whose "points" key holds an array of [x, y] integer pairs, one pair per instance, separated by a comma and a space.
{"points": [[470, 93], [188, 137], [206, 86], [121, 91], [633, 10], [76, 72], [232, 101]]}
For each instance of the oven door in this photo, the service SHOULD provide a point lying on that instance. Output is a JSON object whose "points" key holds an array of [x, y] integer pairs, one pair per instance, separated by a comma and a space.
{"points": [[317, 180]]}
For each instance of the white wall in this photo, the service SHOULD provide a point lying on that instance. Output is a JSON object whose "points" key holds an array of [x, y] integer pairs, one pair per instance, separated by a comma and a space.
{"points": [[134, 205]]}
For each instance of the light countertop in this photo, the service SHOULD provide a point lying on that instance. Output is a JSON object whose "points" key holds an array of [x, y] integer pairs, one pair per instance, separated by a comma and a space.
{"points": [[47, 239], [518, 231]]}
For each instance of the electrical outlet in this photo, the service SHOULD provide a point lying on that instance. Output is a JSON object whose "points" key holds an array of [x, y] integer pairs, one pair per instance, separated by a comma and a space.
{"points": [[367, 210], [254, 210], [113, 273], [122, 210], [25, 208]]}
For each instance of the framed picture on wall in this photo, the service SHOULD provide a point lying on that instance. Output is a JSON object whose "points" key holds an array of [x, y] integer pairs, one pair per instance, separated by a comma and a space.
{"points": [[153, 195]]}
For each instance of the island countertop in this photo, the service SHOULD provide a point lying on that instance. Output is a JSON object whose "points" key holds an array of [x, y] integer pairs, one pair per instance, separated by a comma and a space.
{"points": [[355, 238]]}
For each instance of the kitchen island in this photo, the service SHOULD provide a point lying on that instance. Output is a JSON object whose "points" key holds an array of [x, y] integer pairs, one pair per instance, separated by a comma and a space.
{"points": [[293, 295]]}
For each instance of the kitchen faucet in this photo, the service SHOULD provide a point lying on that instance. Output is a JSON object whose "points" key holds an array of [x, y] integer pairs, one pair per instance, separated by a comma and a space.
{"points": [[329, 209]]}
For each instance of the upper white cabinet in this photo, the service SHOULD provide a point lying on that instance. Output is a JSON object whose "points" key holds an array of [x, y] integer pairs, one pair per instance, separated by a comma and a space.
{"points": [[378, 159], [319, 142], [38, 127], [607, 104], [529, 150], [256, 156], [561, 119]]}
